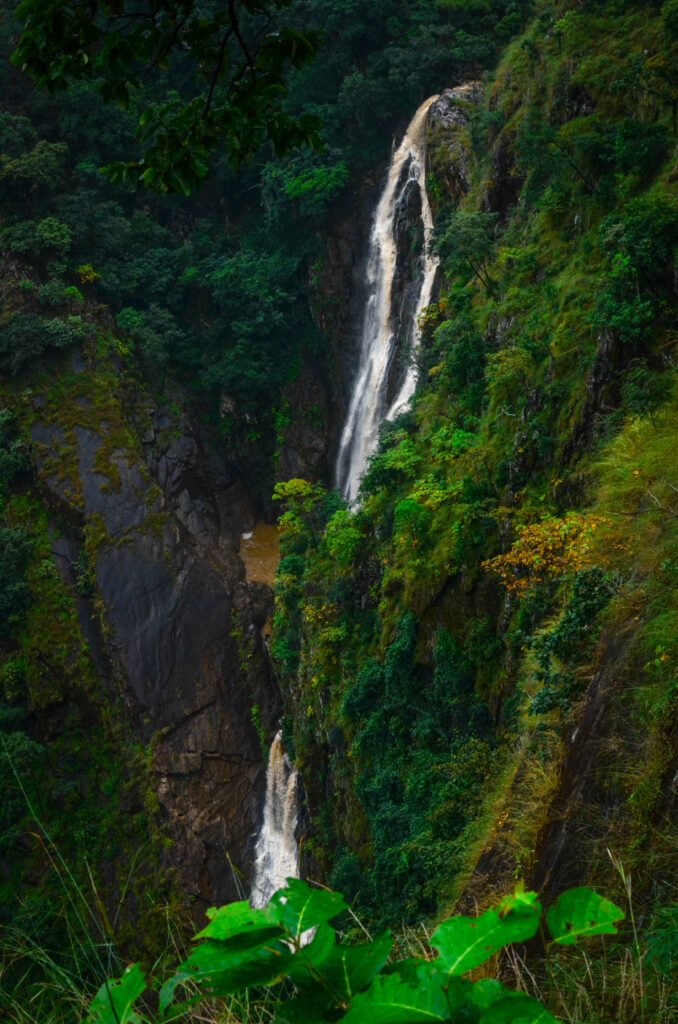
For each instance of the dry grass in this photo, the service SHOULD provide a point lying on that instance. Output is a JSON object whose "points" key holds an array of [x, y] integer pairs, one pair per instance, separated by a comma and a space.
{"points": [[612, 986], [615, 984]]}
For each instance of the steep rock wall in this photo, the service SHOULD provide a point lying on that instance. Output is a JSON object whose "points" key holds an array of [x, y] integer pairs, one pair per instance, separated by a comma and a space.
{"points": [[176, 629]]}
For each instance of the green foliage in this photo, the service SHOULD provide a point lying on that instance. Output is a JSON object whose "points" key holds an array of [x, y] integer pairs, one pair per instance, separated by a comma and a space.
{"points": [[363, 696], [14, 452], [35, 171], [644, 390], [465, 241], [464, 943], [15, 597], [50, 233], [20, 758], [221, 300], [343, 538], [231, 81], [558, 649], [553, 331], [411, 521], [580, 913], [397, 457], [252, 348], [155, 331], [508, 374], [462, 348], [662, 947], [55, 294], [234, 81], [114, 1000], [421, 746], [291, 938], [309, 185], [620, 308], [26, 336], [410, 676], [299, 496]]}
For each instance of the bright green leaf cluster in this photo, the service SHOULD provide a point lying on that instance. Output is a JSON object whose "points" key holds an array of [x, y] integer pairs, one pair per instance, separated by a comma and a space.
{"points": [[291, 940]]}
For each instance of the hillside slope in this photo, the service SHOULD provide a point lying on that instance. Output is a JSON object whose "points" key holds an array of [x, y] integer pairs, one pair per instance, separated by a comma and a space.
{"points": [[480, 659]]}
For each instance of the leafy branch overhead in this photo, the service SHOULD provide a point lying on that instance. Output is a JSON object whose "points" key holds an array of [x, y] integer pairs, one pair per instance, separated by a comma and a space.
{"points": [[291, 940], [221, 67]]}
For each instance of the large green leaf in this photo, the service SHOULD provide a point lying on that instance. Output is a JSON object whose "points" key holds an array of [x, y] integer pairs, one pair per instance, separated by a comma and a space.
{"points": [[113, 1002], [503, 1005], [167, 993], [487, 992], [579, 913], [309, 1007], [517, 1009], [413, 996], [307, 959], [239, 924], [221, 969], [345, 970], [299, 907], [466, 942], [349, 969]]}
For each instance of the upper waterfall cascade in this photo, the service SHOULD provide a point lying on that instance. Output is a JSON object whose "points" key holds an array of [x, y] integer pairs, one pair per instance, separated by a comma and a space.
{"points": [[277, 853], [369, 405]]}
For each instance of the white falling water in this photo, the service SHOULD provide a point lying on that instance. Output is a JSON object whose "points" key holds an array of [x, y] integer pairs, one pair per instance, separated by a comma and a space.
{"points": [[369, 401], [277, 854]]}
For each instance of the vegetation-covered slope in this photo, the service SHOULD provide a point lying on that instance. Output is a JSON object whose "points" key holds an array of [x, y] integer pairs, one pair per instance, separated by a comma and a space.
{"points": [[481, 658]]}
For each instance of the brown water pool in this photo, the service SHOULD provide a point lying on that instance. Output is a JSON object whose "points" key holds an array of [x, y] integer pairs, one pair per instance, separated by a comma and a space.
{"points": [[260, 551]]}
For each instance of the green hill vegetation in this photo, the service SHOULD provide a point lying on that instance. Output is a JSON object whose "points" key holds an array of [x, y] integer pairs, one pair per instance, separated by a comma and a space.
{"points": [[520, 519]]}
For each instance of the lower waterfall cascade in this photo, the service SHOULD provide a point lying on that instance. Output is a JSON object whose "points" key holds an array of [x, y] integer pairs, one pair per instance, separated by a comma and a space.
{"points": [[369, 406], [277, 852]]}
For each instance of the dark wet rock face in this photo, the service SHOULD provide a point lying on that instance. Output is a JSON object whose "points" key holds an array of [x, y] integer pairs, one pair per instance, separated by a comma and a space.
{"points": [[450, 155], [304, 448], [178, 626], [503, 187], [408, 232], [337, 306]]}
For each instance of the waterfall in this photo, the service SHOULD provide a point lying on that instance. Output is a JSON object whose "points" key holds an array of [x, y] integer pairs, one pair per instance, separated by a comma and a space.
{"points": [[277, 855], [370, 405]]}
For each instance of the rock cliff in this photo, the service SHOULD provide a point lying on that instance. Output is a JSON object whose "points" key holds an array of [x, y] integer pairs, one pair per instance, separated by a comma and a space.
{"points": [[135, 484]]}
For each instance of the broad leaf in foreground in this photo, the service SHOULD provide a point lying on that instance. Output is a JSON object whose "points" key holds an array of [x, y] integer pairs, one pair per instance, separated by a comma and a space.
{"points": [[517, 1009], [308, 1007], [347, 970], [466, 942], [240, 925], [580, 913], [220, 969], [299, 907], [113, 1002], [308, 959], [412, 997], [505, 1006]]}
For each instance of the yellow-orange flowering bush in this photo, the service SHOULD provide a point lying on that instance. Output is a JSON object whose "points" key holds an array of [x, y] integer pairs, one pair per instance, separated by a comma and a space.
{"points": [[553, 548]]}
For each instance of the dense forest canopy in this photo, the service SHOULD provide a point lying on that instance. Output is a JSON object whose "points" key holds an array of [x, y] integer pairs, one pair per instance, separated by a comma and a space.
{"points": [[219, 75], [223, 84], [224, 297]]}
